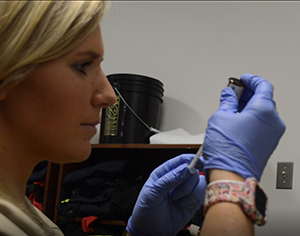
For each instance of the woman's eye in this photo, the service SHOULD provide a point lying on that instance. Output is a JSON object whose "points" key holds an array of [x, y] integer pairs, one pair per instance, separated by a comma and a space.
{"points": [[81, 67]]}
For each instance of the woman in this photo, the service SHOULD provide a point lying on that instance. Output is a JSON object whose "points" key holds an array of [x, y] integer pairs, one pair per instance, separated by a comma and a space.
{"points": [[51, 92]]}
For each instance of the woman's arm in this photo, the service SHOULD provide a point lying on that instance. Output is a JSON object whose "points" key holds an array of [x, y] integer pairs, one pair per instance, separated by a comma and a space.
{"points": [[226, 218], [239, 140]]}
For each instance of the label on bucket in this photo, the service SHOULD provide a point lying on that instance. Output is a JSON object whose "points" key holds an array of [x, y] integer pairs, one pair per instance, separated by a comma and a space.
{"points": [[111, 119]]}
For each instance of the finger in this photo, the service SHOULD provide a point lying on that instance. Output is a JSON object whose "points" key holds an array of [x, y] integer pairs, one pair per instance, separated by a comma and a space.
{"points": [[185, 188], [170, 180], [262, 99], [196, 196], [171, 164], [228, 100], [258, 85]]}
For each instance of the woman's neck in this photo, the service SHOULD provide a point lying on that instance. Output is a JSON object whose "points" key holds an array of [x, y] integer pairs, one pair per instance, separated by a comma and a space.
{"points": [[15, 169]]}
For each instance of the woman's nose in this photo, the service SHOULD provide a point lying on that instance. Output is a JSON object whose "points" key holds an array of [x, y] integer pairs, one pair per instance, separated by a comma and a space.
{"points": [[105, 95]]}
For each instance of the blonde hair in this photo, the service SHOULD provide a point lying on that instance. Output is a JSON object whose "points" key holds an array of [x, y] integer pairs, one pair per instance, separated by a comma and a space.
{"points": [[32, 32]]}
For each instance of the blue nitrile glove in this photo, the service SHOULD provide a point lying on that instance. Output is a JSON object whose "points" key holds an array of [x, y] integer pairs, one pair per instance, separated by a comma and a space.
{"points": [[243, 142], [169, 199]]}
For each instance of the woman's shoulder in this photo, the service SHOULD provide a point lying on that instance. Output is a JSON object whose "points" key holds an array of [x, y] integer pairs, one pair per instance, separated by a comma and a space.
{"points": [[13, 221], [55, 229]]}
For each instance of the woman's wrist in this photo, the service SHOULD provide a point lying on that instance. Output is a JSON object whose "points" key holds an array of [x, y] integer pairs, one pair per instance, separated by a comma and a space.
{"points": [[216, 174]]}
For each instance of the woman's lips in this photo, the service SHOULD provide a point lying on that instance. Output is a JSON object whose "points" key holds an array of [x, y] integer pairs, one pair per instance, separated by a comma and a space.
{"points": [[90, 126]]}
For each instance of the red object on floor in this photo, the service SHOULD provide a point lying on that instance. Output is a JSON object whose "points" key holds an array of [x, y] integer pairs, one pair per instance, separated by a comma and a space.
{"points": [[87, 224]]}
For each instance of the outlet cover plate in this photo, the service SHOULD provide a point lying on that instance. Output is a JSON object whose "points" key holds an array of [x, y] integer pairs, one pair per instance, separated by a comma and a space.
{"points": [[284, 175]]}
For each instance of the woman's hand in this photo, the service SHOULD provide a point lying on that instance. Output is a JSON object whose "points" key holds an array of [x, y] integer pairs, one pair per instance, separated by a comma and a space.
{"points": [[169, 199], [242, 142]]}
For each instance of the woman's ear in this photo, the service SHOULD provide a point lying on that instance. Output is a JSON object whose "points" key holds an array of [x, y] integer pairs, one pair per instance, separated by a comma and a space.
{"points": [[4, 91]]}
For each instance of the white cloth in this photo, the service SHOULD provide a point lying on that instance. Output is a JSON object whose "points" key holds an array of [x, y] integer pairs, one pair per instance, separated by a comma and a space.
{"points": [[176, 136]]}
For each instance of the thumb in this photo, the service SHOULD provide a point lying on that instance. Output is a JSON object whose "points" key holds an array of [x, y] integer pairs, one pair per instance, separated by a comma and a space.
{"points": [[171, 180], [228, 100]]}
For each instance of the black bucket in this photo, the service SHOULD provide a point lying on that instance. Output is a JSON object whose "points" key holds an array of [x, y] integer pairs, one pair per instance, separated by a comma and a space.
{"points": [[138, 106]]}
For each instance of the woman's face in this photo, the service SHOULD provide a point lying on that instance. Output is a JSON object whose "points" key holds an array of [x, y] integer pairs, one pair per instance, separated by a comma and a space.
{"points": [[53, 113]]}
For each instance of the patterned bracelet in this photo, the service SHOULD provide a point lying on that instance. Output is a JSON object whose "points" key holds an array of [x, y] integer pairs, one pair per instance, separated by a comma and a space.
{"points": [[248, 194]]}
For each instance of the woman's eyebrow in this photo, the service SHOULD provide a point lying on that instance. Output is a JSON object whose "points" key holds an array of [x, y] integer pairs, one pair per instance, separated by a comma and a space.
{"points": [[92, 54]]}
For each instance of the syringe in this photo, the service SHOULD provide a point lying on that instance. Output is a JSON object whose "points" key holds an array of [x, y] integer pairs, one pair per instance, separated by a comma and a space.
{"points": [[238, 87], [195, 159]]}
